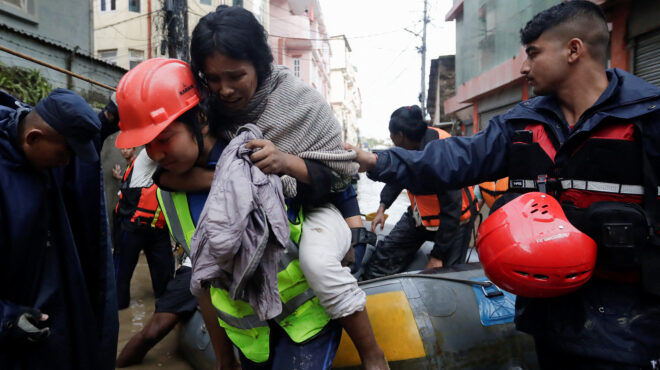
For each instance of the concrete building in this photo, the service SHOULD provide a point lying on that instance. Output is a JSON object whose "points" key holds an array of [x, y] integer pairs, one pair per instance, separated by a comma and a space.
{"points": [[58, 32], [127, 32], [345, 96], [299, 40], [489, 54], [442, 85]]}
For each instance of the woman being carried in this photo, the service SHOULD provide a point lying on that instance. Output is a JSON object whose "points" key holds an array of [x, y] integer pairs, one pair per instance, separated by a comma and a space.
{"points": [[302, 142]]}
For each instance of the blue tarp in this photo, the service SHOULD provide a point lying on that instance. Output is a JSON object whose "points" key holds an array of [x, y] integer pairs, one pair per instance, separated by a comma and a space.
{"points": [[496, 309]]}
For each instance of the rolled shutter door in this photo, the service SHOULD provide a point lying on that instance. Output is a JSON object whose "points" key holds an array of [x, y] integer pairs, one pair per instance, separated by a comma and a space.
{"points": [[647, 57]]}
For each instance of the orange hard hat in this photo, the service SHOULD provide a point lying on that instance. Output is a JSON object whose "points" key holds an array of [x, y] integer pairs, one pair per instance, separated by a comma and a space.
{"points": [[529, 248], [152, 95]]}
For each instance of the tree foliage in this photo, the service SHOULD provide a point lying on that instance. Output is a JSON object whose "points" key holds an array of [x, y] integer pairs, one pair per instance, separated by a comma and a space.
{"points": [[26, 84]]}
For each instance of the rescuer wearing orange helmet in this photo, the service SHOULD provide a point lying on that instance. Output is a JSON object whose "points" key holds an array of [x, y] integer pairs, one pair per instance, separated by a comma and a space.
{"points": [[590, 139], [163, 115]]}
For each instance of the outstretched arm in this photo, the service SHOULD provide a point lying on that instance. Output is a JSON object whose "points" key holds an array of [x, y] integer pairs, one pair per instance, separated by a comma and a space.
{"points": [[444, 164]]}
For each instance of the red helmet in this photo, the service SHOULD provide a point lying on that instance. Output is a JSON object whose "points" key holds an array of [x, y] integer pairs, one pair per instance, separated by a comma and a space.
{"points": [[529, 248], [150, 96]]}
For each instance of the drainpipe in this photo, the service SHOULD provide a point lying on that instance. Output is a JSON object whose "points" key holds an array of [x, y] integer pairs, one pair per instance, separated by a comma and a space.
{"points": [[148, 29], [69, 65], [91, 27]]}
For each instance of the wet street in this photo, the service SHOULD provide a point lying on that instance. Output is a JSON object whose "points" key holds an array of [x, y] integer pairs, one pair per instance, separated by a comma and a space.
{"points": [[369, 199], [131, 320]]}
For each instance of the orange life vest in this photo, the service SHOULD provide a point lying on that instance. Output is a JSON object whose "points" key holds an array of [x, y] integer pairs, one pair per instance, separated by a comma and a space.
{"points": [[140, 205], [470, 206], [428, 206], [491, 190]]}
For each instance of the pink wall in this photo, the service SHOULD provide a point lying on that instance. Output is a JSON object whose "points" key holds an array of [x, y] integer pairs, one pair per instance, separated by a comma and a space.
{"points": [[294, 35]]}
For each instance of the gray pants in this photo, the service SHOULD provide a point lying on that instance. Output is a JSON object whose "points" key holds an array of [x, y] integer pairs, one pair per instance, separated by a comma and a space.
{"points": [[394, 253]]}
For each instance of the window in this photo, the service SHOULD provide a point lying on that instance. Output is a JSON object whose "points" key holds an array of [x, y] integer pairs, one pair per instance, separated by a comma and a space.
{"points": [[134, 6], [296, 67], [108, 5], [25, 9], [135, 57], [206, 2], [109, 56], [237, 3]]}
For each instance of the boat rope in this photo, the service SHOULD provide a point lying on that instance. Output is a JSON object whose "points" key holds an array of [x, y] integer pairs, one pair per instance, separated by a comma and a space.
{"points": [[45, 64], [486, 284]]}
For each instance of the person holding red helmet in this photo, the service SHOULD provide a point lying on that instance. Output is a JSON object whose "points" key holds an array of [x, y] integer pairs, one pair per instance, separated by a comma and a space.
{"points": [[529, 248], [591, 139]]}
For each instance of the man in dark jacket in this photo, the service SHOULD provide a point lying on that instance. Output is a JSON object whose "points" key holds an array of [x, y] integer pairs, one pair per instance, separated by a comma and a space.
{"points": [[57, 299], [592, 135]]}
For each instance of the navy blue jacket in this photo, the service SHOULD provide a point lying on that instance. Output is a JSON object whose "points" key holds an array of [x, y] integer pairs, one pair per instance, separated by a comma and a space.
{"points": [[604, 320], [456, 162], [55, 258]]}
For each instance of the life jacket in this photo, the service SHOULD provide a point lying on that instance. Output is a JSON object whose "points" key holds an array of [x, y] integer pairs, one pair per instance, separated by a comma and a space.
{"points": [[470, 205], [428, 206], [604, 164], [601, 165], [139, 204], [492, 190], [302, 316]]}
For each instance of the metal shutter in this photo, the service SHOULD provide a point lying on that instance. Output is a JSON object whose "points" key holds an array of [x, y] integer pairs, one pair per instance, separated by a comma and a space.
{"points": [[647, 57]]}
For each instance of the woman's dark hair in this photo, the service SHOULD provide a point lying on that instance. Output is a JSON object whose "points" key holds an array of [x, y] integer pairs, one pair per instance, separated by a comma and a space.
{"points": [[409, 121], [234, 32]]}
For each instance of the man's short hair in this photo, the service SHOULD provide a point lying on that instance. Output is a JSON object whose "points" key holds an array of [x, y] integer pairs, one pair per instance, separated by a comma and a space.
{"points": [[582, 19]]}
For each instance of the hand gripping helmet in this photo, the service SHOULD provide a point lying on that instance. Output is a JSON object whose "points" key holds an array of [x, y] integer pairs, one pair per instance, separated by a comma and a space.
{"points": [[529, 248], [152, 95]]}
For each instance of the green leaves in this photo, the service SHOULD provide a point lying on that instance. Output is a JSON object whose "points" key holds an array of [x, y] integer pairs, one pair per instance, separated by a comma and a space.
{"points": [[26, 84]]}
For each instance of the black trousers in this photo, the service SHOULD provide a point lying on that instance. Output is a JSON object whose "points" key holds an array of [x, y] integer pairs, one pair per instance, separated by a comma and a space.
{"points": [[397, 250], [129, 241]]}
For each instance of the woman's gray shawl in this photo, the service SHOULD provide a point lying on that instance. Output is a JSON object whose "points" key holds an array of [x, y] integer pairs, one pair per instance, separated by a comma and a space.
{"points": [[296, 118]]}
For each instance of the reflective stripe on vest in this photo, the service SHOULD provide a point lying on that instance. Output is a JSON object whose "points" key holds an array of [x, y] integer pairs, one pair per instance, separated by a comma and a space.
{"points": [[172, 205], [302, 315], [604, 187]]}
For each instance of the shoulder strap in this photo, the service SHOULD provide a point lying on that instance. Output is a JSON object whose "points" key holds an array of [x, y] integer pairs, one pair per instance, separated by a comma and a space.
{"points": [[651, 203]]}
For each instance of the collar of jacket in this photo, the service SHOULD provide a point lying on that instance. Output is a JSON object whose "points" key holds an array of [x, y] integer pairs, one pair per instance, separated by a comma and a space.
{"points": [[9, 148], [626, 97]]}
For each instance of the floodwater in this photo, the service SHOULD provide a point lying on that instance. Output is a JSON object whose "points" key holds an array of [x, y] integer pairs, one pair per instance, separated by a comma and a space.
{"points": [[132, 319], [369, 199]]}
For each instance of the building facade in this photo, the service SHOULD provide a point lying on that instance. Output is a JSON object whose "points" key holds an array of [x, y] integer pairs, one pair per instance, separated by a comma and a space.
{"points": [[127, 32], [345, 97], [299, 41], [35, 29], [489, 54]]}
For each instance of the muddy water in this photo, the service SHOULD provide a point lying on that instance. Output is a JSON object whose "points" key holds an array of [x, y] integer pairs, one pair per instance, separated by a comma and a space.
{"points": [[131, 320], [369, 199]]}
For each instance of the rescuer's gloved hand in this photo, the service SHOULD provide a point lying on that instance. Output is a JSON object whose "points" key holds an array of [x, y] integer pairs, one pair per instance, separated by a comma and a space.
{"points": [[24, 330]]}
